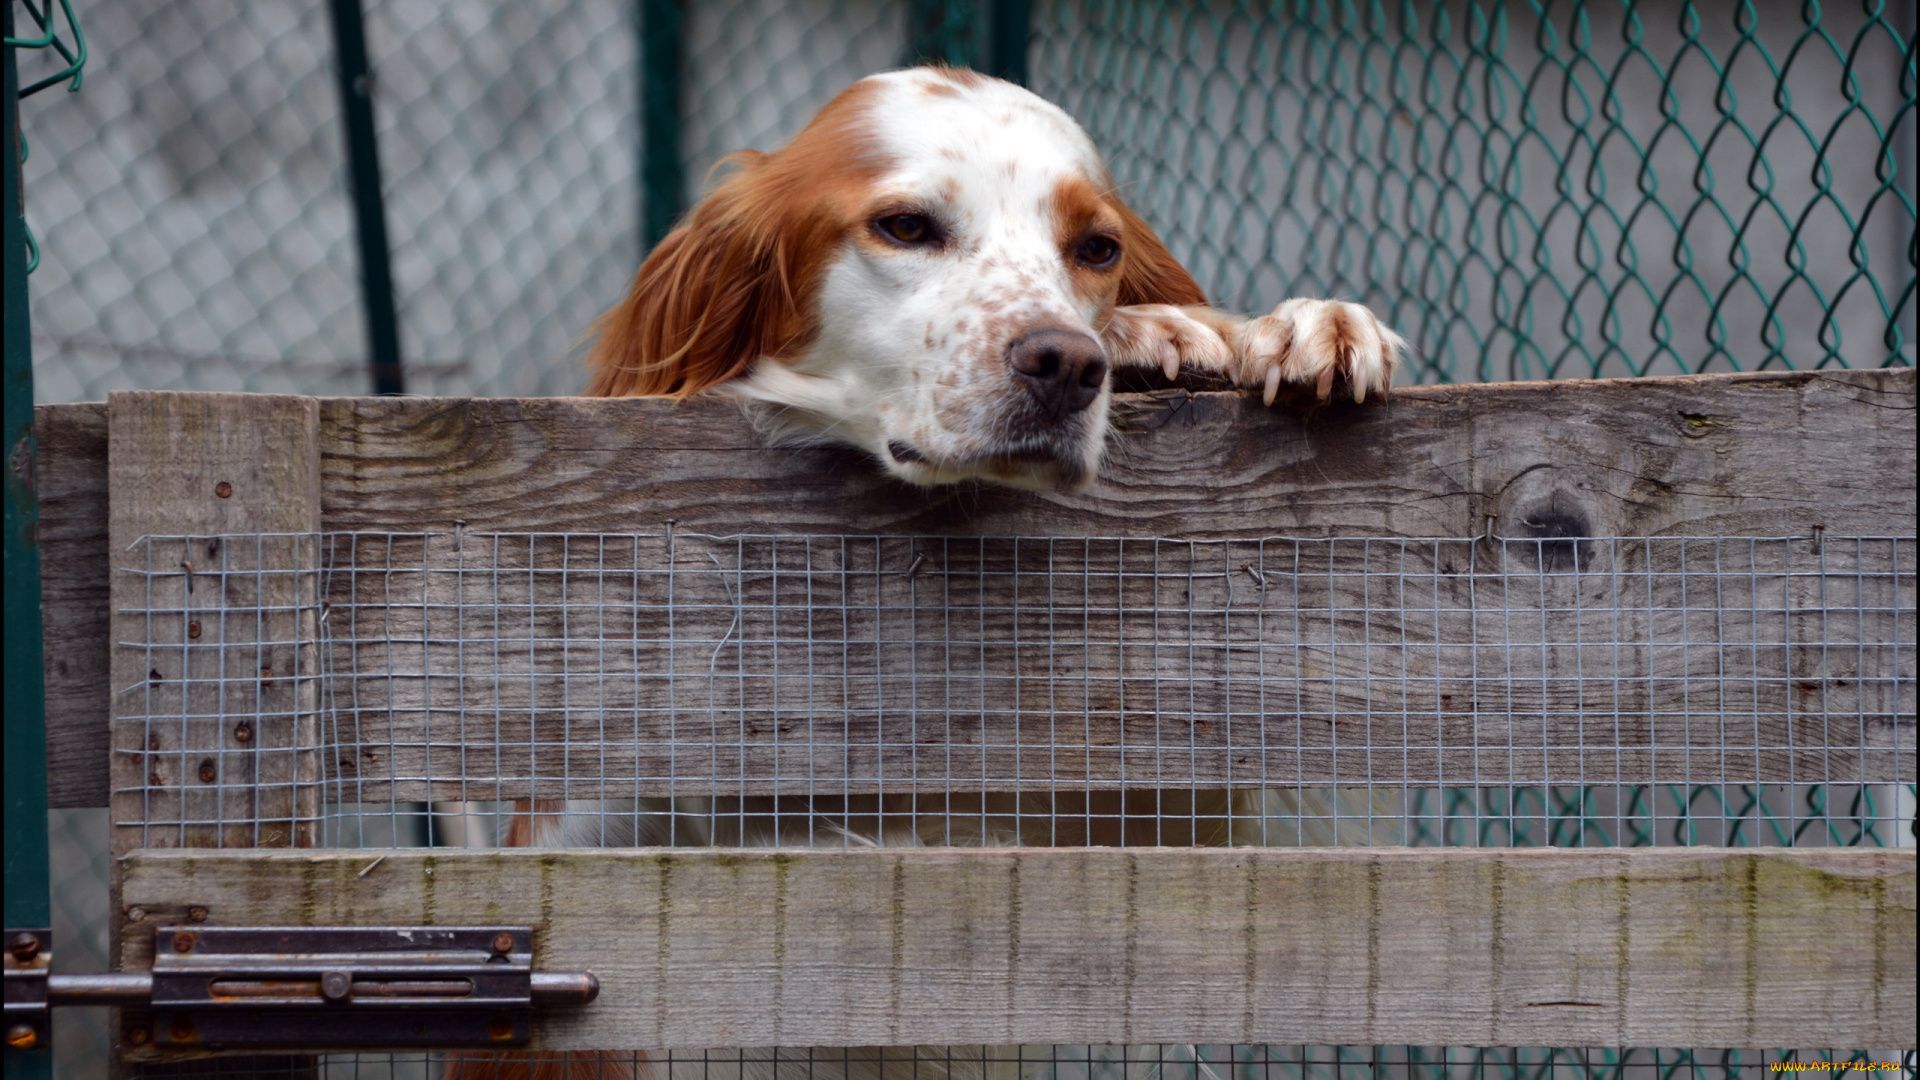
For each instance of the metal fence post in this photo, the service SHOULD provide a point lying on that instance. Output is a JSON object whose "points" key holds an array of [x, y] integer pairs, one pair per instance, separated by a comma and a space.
{"points": [[1008, 24], [989, 36], [27, 902], [369, 207], [941, 31], [662, 195]]}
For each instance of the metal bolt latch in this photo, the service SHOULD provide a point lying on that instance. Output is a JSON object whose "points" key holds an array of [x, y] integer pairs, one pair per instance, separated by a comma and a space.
{"points": [[289, 988]]}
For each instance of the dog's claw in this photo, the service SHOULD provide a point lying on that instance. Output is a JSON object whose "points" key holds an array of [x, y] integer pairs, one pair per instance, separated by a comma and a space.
{"points": [[1316, 345]]}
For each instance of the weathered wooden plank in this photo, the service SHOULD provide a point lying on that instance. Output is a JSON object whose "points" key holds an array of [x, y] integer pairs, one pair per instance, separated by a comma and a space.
{"points": [[1767, 455], [759, 665], [214, 669], [1486, 947], [70, 477]]}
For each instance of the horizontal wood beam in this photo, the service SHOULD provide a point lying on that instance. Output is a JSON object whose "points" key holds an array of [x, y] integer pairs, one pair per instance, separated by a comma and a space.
{"points": [[1483, 947], [1731, 455]]}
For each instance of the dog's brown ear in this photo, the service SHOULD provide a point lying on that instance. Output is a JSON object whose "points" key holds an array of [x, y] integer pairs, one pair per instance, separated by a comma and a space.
{"points": [[1150, 274], [712, 298]]}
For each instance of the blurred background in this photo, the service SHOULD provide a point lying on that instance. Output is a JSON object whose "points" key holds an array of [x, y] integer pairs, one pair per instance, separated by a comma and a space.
{"points": [[1524, 189]]}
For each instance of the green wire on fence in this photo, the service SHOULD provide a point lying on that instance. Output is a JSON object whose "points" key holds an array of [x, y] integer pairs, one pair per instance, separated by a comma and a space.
{"points": [[1525, 189], [75, 55], [76, 58]]}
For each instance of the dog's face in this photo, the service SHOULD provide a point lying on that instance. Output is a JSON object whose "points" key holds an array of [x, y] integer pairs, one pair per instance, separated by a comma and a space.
{"points": [[925, 272]]}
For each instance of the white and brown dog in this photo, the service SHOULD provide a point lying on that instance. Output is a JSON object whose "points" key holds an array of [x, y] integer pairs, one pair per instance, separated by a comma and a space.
{"points": [[938, 270]]}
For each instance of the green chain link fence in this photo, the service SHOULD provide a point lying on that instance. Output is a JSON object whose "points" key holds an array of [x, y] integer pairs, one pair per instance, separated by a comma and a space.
{"points": [[1525, 189]]}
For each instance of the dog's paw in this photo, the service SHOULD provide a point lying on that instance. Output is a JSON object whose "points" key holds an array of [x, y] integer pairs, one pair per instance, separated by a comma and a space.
{"points": [[1165, 337], [1317, 347]]}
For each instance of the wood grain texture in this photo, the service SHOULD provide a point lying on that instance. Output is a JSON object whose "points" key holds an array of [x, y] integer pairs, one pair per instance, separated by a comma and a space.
{"points": [[1714, 455], [1763, 454], [70, 476], [759, 665], [1483, 947], [214, 674]]}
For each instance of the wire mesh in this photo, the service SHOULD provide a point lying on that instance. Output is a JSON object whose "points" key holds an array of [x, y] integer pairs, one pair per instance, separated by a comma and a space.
{"points": [[193, 210], [1524, 190], [688, 689], [1175, 1062]]}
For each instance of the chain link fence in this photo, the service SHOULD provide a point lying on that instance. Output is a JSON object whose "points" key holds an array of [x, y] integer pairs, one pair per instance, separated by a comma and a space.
{"points": [[1526, 190]]}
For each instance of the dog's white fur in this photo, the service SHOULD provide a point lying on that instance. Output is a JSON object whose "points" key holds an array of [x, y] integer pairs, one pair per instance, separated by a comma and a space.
{"points": [[782, 288], [887, 346]]}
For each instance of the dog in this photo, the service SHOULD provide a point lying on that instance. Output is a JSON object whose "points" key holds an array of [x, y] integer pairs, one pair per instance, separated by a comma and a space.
{"points": [[939, 271]]}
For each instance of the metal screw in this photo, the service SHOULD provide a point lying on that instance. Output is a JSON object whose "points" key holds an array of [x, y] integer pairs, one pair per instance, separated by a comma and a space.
{"points": [[336, 985], [503, 943], [243, 732], [22, 1037], [138, 1036], [181, 1030], [223, 489], [136, 913], [24, 946], [196, 913], [208, 771], [193, 630], [184, 941], [500, 1027]]}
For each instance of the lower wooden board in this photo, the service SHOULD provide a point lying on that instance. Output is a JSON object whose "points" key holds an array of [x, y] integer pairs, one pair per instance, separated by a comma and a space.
{"points": [[803, 947]]}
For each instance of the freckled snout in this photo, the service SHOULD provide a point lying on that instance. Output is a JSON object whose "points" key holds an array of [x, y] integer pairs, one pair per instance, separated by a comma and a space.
{"points": [[1061, 369]]}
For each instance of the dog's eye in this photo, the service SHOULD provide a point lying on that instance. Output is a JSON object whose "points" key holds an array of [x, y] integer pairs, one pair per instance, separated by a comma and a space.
{"points": [[910, 229], [1099, 251]]}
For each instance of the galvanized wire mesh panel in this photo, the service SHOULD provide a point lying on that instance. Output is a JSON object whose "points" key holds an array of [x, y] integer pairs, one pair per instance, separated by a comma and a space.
{"points": [[1525, 190], [1161, 1062], [858, 690]]}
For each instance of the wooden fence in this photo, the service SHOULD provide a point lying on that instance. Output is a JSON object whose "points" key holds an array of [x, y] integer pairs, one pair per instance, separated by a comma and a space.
{"points": [[1693, 946]]}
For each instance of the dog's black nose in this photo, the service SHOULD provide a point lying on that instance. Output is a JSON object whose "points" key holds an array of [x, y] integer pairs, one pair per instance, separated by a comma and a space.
{"points": [[1063, 370]]}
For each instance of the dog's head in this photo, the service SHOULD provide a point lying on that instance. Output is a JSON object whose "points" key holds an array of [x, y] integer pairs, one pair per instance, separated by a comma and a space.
{"points": [[923, 272]]}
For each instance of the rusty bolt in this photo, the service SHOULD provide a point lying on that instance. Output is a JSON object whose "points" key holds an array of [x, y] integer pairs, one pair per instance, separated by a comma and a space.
{"points": [[136, 913], [208, 772], [503, 942], [184, 941], [500, 1027], [24, 947], [243, 732], [138, 1036], [22, 1037], [336, 985], [196, 913], [193, 630], [223, 489], [181, 1030]]}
